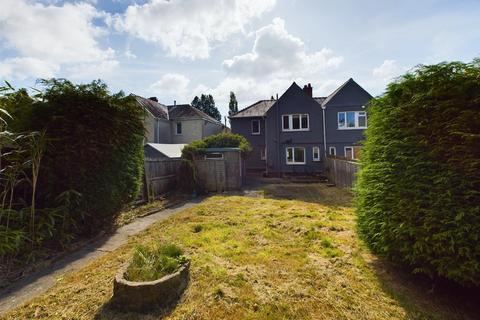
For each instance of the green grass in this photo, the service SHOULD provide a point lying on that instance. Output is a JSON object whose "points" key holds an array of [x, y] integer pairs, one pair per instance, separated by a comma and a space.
{"points": [[152, 263], [259, 258]]}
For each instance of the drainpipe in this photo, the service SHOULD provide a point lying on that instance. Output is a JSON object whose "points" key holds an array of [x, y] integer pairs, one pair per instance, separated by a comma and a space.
{"points": [[266, 145], [324, 134]]}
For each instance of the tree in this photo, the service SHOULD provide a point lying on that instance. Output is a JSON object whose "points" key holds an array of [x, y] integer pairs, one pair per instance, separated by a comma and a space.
{"points": [[233, 104], [206, 103], [418, 189]]}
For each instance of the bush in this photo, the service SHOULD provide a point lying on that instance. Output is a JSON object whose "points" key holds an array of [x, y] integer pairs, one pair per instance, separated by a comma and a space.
{"points": [[149, 264], [93, 152], [418, 193], [221, 140]]}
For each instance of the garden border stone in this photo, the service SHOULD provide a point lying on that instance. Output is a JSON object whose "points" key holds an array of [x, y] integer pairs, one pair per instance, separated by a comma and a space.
{"points": [[148, 295]]}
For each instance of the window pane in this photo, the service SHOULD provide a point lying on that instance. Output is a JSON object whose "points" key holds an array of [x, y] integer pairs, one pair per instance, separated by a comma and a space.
{"points": [[304, 121], [341, 119], [286, 124], [179, 128], [362, 120], [316, 153], [289, 155], [299, 154], [296, 122], [255, 126], [351, 119]]}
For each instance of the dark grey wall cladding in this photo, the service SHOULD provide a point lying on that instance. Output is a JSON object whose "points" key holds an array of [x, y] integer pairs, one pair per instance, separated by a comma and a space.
{"points": [[243, 126], [294, 100]]}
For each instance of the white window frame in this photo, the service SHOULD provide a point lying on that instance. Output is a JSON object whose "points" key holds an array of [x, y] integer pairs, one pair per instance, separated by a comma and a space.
{"points": [[345, 152], [313, 154], [207, 156], [330, 151], [251, 127], [263, 153], [356, 127], [290, 122], [293, 156], [176, 128]]}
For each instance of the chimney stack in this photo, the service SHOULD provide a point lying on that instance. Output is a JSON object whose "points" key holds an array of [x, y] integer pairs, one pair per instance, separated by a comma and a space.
{"points": [[153, 99], [308, 90]]}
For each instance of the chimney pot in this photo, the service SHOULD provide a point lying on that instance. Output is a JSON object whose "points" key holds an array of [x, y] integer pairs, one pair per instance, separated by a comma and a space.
{"points": [[308, 90]]}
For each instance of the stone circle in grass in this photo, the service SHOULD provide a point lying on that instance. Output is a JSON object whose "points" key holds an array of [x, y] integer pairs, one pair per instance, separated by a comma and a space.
{"points": [[154, 278]]}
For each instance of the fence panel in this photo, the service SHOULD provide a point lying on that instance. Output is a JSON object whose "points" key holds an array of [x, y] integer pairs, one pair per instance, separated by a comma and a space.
{"points": [[160, 176], [340, 171]]}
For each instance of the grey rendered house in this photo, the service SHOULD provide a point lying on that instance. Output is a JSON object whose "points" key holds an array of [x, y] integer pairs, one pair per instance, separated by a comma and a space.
{"points": [[292, 134], [176, 124]]}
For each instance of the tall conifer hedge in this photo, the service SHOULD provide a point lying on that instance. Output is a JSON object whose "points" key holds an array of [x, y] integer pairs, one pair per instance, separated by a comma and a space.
{"points": [[418, 193]]}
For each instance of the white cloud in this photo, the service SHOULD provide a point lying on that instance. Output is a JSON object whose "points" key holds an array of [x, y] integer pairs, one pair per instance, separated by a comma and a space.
{"points": [[50, 35], [172, 85], [187, 28], [278, 53], [387, 70], [22, 68]]}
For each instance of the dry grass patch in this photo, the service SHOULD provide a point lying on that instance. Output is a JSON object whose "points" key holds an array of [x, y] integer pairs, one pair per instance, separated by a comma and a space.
{"points": [[251, 258]]}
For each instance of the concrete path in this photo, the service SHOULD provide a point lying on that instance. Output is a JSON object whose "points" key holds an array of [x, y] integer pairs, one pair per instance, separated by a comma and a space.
{"points": [[40, 281]]}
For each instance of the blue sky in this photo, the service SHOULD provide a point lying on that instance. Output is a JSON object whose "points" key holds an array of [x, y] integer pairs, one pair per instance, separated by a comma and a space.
{"points": [[181, 48]]}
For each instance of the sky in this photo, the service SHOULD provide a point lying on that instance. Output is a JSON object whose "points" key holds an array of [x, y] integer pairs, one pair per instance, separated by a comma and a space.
{"points": [[177, 49]]}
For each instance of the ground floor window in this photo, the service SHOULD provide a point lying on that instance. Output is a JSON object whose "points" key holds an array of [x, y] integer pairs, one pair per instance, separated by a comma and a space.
{"points": [[316, 153], [332, 151], [295, 155], [263, 153], [214, 156], [349, 152], [353, 152]]}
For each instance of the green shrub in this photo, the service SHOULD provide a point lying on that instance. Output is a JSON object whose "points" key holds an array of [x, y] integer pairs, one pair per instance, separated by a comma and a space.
{"points": [[418, 192], [149, 264], [221, 140], [93, 150], [187, 179]]}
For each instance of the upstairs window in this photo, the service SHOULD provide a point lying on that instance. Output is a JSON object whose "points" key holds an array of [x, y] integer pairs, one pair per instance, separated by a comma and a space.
{"points": [[255, 127], [295, 122], [352, 120], [178, 129]]}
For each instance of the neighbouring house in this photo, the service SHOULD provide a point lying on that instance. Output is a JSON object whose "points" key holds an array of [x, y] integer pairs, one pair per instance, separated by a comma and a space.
{"points": [[293, 134], [176, 124]]}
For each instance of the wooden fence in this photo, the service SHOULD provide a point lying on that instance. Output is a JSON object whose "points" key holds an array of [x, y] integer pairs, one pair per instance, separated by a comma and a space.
{"points": [[160, 177], [341, 171]]}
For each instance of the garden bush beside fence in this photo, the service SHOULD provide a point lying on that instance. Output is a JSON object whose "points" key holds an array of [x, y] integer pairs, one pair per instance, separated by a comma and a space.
{"points": [[418, 192]]}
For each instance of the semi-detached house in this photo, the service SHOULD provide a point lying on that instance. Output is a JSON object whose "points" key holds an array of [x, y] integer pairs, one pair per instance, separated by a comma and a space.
{"points": [[292, 134]]}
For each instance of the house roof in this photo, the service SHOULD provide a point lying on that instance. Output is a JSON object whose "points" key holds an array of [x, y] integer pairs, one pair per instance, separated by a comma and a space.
{"points": [[258, 109], [187, 111], [171, 150], [158, 110]]}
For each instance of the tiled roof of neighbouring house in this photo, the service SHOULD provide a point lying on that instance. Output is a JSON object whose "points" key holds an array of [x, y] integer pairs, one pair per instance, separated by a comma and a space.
{"points": [[187, 111], [158, 110], [258, 109]]}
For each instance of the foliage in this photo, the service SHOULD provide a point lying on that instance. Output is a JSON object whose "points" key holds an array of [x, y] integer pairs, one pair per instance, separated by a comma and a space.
{"points": [[206, 104], [149, 264], [73, 158], [221, 140], [187, 178], [418, 193], [233, 104]]}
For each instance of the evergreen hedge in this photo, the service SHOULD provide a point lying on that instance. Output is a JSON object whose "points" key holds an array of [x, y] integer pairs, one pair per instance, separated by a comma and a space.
{"points": [[418, 192], [220, 140], [94, 148]]}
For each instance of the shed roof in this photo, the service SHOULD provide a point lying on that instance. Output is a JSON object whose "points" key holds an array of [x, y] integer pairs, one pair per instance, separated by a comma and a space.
{"points": [[170, 150]]}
